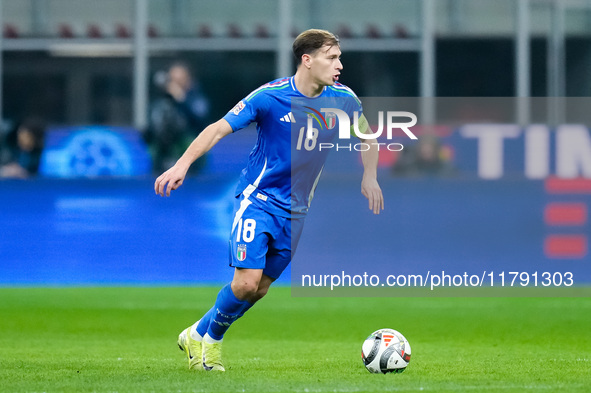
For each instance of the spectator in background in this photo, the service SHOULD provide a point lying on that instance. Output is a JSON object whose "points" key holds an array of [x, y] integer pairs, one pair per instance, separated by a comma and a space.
{"points": [[177, 117], [25, 146], [426, 157]]}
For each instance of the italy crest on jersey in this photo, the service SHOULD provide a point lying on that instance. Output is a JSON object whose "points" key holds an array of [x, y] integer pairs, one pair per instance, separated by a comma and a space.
{"points": [[331, 121], [241, 252]]}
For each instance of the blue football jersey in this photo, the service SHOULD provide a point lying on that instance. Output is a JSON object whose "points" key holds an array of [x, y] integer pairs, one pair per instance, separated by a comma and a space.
{"points": [[285, 164]]}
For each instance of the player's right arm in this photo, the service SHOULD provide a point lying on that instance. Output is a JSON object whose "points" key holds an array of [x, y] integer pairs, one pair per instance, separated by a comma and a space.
{"points": [[244, 113], [208, 138]]}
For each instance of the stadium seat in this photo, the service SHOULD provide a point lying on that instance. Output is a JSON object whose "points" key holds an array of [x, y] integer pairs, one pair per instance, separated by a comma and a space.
{"points": [[10, 31], [94, 31], [234, 31], [400, 31], [122, 31], [344, 31], [204, 31], [373, 31], [153, 31], [261, 31], [65, 31]]}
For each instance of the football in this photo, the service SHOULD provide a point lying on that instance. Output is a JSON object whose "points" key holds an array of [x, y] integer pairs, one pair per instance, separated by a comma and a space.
{"points": [[385, 351]]}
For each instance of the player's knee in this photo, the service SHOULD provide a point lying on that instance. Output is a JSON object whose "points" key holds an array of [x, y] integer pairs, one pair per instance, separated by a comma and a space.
{"points": [[260, 293], [245, 290]]}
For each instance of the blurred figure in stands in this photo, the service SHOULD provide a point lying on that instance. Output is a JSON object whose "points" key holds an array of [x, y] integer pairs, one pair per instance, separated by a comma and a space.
{"points": [[177, 117], [427, 157], [25, 145]]}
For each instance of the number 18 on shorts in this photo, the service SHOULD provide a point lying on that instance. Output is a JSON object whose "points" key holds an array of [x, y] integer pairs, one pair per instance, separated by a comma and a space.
{"points": [[260, 240]]}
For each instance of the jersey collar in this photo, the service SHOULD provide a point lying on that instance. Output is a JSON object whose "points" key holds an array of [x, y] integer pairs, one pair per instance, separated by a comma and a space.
{"points": [[293, 86]]}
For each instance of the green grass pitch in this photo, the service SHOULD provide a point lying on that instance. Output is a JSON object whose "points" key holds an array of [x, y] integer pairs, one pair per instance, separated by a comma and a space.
{"points": [[123, 339]]}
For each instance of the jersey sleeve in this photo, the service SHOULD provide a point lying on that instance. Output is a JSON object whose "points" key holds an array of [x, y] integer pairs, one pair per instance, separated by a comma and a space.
{"points": [[246, 111], [354, 105]]}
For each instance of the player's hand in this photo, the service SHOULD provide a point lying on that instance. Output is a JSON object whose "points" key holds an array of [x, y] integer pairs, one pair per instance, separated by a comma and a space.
{"points": [[170, 180], [372, 191]]}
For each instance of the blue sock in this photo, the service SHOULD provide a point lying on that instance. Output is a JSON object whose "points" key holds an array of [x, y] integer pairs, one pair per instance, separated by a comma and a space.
{"points": [[245, 309], [226, 310], [204, 322]]}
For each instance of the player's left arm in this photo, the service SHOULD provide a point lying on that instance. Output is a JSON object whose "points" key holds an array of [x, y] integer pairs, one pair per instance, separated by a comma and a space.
{"points": [[369, 184]]}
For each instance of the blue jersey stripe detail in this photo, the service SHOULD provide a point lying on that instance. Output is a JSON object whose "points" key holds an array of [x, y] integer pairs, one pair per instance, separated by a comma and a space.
{"points": [[346, 90], [267, 87]]}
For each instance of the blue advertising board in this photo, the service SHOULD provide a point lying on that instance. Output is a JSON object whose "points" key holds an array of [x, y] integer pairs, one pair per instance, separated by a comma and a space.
{"points": [[114, 230], [92, 151]]}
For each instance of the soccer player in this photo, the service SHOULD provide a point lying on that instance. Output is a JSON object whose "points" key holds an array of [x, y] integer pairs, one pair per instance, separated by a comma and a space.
{"points": [[270, 208]]}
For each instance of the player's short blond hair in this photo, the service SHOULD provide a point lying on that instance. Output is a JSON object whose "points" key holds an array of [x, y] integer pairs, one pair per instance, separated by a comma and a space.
{"points": [[310, 41]]}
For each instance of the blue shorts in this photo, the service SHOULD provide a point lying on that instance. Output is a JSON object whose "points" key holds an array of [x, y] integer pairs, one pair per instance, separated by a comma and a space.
{"points": [[260, 240]]}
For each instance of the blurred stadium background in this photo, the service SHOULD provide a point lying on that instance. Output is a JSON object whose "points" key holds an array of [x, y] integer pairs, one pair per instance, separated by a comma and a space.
{"points": [[87, 70]]}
